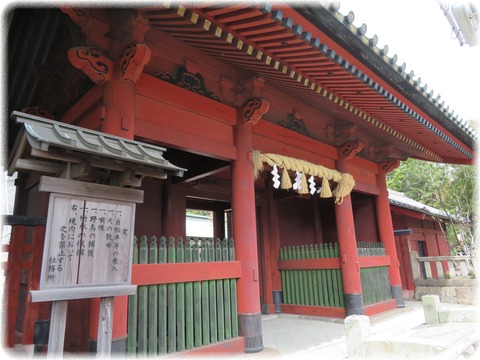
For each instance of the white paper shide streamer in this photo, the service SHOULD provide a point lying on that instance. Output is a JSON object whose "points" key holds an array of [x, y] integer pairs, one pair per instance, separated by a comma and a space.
{"points": [[276, 177]]}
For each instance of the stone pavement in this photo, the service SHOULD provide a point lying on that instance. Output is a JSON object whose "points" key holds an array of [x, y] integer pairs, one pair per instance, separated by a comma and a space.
{"points": [[306, 337]]}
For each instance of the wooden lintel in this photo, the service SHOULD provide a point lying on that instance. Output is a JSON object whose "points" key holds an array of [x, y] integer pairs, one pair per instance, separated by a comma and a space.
{"points": [[208, 195], [55, 155], [97, 162], [40, 166], [72, 187], [205, 174]]}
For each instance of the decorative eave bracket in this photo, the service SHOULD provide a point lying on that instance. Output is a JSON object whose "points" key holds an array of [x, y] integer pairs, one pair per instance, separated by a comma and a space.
{"points": [[253, 110]]}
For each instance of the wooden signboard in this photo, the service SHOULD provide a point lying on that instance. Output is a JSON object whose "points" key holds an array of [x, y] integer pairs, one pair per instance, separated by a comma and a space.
{"points": [[87, 253], [88, 242]]}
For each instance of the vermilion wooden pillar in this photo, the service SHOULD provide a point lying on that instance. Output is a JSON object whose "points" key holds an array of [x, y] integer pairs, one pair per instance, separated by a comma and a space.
{"points": [[118, 76], [385, 229], [174, 208], [349, 261], [119, 105], [244, 227]]}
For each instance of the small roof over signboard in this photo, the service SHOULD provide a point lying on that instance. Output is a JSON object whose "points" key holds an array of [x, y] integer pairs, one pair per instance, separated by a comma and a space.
{"points": [[51, 147]]}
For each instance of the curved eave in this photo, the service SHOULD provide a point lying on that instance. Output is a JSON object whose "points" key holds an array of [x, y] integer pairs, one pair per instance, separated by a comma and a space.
{"points": [[261, 39], [364, 49]]}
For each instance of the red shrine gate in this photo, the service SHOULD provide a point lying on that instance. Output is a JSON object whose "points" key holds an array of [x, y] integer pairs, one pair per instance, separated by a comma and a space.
{"points": [[285, 130]]}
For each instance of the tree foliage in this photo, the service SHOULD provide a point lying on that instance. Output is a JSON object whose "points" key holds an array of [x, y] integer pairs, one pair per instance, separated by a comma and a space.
{"points": [[450, 188]]}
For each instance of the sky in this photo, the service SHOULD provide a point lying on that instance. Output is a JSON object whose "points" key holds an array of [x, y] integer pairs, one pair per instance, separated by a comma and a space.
{"points": [[421, 36]]}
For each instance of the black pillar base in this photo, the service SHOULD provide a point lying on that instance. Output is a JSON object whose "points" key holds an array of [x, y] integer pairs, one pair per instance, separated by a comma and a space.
{"points": [[277, 300], [354, 304], [250, 327], [397, 294]]}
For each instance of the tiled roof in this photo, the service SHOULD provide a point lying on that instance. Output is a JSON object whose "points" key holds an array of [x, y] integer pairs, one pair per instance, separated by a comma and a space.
{"points": [[44, 134], [401, 200]]}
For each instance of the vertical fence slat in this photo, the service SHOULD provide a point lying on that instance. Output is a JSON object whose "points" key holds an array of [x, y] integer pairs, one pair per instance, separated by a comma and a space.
{"points": [[313, 275], [324, 277], [336, 296], [189, 309], [226, 294], [162, 301], [204, 301], [180, 300], [197, 301], [233, 293], [212, 295], [339, 276], [132, 310], [143, 302], [319, 276], [171, 302], [219, 289], [152, 302], [303, 254]]}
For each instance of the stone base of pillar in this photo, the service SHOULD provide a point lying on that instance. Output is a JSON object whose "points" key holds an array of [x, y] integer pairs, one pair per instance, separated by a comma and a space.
{"points": [[398, 296], [354, 304], [250, 327]]}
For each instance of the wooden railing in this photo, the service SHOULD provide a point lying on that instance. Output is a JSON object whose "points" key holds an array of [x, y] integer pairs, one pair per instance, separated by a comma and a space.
{"points": [[186, 295], [374, 272], [446, 267], [311, 275]]}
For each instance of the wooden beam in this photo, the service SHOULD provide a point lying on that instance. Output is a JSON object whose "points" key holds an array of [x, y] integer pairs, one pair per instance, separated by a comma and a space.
{"points": [[326, 263], [146, 274], [72, 187], [373, 261], [199, 174], [208, 195], [40, 166], [81, 292]]}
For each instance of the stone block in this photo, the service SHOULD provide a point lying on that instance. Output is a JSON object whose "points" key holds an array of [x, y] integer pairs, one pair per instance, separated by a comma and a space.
{"points": [[357, 330], [458, 315], [411, 348], [466, 293], [448, 291], [466, 283], [449, 300], [431, 306]]}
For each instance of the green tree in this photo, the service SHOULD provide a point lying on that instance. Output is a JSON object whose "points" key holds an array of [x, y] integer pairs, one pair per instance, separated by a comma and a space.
{"points": [[419, 180], [450, 188]]}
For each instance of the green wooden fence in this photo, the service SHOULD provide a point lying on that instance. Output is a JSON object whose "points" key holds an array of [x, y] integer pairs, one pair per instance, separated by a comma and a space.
{"points": [[167, 318], [375, 280], [314, 287]]}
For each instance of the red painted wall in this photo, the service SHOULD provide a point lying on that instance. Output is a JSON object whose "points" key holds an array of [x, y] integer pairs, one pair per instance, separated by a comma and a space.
{"points": [[148, 215], [364, 217], [295, 221], [328, 221]]}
